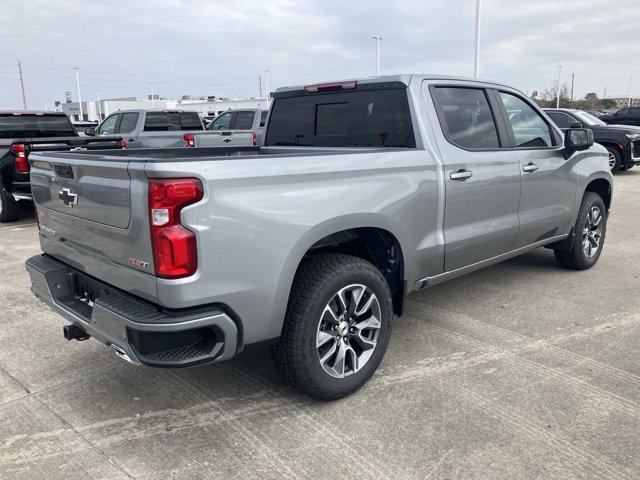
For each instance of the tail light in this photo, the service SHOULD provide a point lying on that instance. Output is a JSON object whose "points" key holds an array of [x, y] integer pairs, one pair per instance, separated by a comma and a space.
{"points": [[175, 251], [122, 143], [253, 138], [190, 139], [21, 162]]}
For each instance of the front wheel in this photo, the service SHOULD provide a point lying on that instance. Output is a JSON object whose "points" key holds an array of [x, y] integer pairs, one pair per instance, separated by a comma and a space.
{"points": [[337, 326], [589, 233], [615, 158]]}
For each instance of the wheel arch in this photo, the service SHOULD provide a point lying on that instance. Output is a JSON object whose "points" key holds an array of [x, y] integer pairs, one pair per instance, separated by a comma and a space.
{"points": [[603, 188], [366, 236]]}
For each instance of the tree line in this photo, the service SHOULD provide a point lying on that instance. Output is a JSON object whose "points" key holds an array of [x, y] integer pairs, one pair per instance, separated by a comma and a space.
{"points": [[547, 99]]}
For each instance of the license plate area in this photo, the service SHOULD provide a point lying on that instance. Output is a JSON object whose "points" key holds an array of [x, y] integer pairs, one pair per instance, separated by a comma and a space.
{"points": [[83, 292]]}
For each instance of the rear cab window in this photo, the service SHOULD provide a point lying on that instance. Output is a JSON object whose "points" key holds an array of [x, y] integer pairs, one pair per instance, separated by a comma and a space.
{"points": [[35, 126], [168, 121], [370, 117]]}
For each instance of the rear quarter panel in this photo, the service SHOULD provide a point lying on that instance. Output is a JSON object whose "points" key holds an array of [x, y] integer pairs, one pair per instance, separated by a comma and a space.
{"points": [[260, 215]]}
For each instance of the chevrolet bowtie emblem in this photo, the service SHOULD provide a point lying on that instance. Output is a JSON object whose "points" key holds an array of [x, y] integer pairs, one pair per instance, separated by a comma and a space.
{"points": [[67, 197]]}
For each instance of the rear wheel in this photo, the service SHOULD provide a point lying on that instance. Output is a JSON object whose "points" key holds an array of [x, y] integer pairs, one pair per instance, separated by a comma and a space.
{"points": [[8, 207], [615, 158], [337, 326], [590, 229]]}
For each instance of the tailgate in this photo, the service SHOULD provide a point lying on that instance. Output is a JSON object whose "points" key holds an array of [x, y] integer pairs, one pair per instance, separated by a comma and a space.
{"points": [[84, 204], [84, 187], [224, 138]]}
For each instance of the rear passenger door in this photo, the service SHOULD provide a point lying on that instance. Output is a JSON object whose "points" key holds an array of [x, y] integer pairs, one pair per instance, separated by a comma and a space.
{"points": [[549, 181], [482, 177]]}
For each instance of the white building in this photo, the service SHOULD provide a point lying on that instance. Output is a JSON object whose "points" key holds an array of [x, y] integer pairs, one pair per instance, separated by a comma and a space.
{"points": [[98, 111]]}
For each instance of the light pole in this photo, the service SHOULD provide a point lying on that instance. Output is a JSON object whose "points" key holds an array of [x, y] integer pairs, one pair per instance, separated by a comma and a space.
{"points": [[99, 107], [559, 76], [79, 96], [476, 56], [153, 98], [377, 38], [266, 85], [630, 82]]}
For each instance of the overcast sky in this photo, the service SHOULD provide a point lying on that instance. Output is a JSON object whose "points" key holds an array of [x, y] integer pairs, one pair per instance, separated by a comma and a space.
{"points": [[220, 47]]}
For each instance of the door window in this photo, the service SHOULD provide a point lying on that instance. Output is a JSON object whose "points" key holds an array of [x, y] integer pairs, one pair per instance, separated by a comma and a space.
{"points": [[561, 119], [221, 123], [109, 125], [466, 118], [529, 128], [128, 122], [244, 121]]}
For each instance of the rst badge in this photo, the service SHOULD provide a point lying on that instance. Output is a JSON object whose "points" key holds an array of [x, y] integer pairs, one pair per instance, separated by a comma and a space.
{"points": [[68, 197], [138, 263]]}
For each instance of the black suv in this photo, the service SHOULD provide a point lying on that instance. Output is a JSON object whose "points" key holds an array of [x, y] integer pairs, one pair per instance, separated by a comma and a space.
{"points": [[624, 116], [622, 141]]}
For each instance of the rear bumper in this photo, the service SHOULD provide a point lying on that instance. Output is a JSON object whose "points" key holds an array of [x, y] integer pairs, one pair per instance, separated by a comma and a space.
{"points": [[139, 332]]}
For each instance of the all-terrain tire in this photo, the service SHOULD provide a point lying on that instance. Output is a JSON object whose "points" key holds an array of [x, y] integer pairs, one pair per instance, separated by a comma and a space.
{"points": [[316, 284], [576, 257]]}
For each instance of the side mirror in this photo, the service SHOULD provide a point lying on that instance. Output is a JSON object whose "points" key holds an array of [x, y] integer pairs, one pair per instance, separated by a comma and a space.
{"points": [[91, 131], [575, 124], [576, 139]]}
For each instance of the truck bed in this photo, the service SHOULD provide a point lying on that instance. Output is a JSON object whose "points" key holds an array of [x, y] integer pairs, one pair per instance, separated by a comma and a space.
{"points": [[186, 154]]}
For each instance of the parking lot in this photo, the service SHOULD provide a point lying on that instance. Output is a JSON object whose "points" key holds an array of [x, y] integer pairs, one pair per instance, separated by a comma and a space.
{"points": [[521, 370]]}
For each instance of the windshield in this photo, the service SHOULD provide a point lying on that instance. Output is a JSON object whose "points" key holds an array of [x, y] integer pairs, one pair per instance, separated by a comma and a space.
{"points": [[589, 119], [35, 126]]}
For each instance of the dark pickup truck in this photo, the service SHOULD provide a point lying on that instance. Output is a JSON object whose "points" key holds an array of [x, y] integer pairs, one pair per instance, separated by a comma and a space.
{"points": [[23, 132]]}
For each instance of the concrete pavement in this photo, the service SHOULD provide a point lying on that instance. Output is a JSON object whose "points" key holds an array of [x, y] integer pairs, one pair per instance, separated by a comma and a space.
{"points": [[522, 370]]}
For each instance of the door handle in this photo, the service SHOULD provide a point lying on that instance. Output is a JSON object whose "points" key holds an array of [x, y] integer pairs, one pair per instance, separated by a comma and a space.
{"points": [[531, 167], [461, 174], [226, 140]]}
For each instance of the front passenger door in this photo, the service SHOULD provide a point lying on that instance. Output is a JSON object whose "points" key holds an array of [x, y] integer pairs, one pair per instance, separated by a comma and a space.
{"points": [[549, 181]]}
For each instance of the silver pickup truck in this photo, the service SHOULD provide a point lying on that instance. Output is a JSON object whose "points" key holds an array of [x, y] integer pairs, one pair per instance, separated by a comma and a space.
{"points": [[365, 191], [151, 128]]}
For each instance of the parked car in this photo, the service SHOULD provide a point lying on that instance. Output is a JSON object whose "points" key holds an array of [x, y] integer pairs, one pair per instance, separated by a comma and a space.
{"points": [[624, 116], [237, 128], [24, 132], [176, 257], [622, 142], [151, 128]]}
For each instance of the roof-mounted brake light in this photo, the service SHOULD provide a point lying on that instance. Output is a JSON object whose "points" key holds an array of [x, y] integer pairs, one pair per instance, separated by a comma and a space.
{"points": [[331, 87]]}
